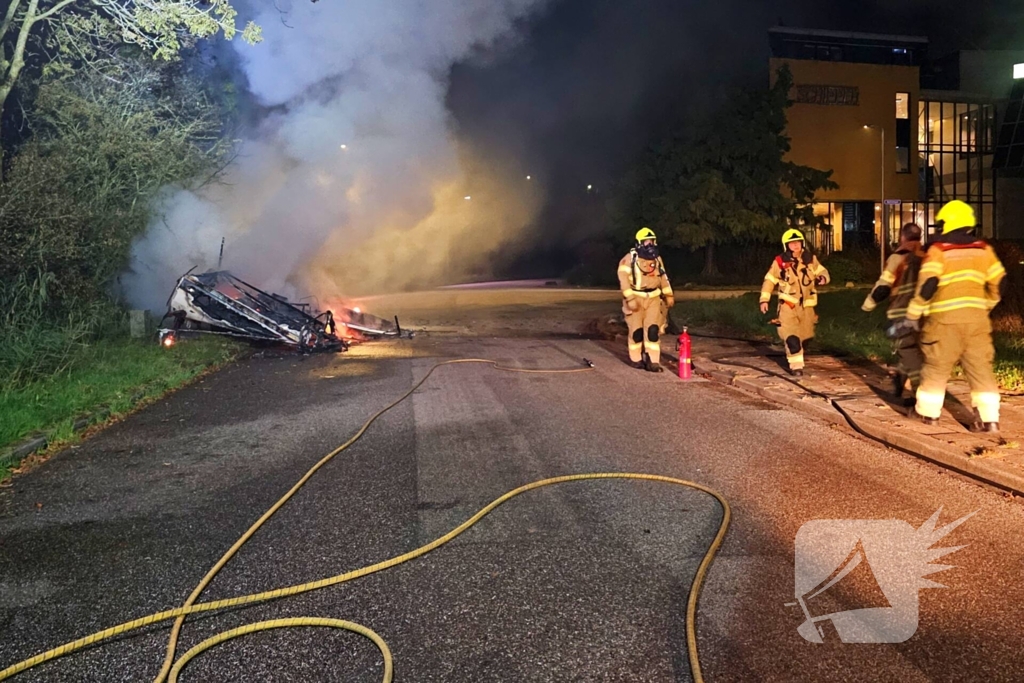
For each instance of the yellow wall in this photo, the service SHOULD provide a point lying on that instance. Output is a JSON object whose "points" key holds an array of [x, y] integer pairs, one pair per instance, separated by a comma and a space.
{"points": [[834, 137]]}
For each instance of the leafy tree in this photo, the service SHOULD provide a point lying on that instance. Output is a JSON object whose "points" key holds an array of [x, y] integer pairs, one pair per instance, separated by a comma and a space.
{"points": [[67, 32], [106, 141], [727, 181]]}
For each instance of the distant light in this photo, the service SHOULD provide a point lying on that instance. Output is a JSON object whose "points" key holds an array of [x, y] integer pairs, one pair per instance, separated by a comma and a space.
{"points": [[529, 177], [344, 146], [467, 197], [590, 187], [1018, 71]]}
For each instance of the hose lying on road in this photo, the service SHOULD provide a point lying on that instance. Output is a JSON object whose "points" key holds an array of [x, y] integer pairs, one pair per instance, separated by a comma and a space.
{"points": [[727, 359], [171, 668]]}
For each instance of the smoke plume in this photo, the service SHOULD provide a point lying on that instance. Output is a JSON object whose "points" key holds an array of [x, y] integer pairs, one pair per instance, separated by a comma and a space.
{"points": [[357, 182]]}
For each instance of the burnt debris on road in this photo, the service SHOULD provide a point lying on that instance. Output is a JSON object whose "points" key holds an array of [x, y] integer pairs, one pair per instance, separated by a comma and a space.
{"points": [[220, 303]]}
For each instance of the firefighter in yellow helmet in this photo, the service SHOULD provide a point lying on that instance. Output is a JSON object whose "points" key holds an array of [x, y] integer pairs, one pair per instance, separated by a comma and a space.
{"points": [[646, 297], [898, 284], [958, 286], [797, 273]]}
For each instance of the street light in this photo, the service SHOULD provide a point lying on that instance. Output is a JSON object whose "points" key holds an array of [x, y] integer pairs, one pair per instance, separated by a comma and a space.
{"points": [[883, 228]]}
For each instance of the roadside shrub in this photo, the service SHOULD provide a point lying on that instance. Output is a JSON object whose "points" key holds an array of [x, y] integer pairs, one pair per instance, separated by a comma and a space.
{"points": [[1008, 317], [36, 341], [844, 269]]}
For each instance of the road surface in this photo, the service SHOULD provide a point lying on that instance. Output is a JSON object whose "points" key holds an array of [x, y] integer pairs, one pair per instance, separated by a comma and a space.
{"points": [[584, 582]]}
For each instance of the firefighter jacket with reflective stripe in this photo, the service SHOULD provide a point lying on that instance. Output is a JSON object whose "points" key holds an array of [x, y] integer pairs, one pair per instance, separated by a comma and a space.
{"points": [[644, 278], [959, 280], [797, 280], [898, 282]]}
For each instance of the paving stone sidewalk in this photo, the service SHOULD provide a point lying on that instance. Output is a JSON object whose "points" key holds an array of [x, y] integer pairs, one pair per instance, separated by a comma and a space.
{"points": [[864, 391]]}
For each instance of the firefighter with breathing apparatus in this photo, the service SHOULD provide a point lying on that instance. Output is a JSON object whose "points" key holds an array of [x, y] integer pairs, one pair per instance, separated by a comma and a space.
{"points": [[959, 285], [797, 273], [898, 284], [647, 295]]}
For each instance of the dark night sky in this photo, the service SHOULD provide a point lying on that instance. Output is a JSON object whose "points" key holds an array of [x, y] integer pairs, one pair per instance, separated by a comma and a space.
{"points": [[594, 80]]}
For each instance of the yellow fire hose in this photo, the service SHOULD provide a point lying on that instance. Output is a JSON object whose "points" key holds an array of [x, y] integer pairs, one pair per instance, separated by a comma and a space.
{"points": [[171, 668]]}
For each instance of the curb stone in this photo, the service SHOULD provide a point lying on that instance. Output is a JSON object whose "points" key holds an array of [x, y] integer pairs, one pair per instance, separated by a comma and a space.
{"points": [[918, 445], [19, 452]]}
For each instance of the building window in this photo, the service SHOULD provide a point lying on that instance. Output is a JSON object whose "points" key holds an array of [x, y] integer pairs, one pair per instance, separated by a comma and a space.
{"points": [[903, 132], [821, 53], [956, 158], [977, 128]]}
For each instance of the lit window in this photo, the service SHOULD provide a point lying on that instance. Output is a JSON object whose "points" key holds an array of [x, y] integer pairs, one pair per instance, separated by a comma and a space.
{"points": [[903, 133], [1018, 71], [902, 105]]}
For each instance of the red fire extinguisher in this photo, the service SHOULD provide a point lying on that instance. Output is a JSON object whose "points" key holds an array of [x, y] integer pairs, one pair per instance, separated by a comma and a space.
{"points": [[685, 359]]}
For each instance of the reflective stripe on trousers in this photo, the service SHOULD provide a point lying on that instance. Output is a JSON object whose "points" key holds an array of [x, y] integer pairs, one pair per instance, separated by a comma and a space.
{"points": [[987, 404], [929, 403]]}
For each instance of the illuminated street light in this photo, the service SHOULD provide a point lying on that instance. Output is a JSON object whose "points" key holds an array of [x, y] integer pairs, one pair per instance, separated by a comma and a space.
{"points": [[589, 188], [529, 177]]}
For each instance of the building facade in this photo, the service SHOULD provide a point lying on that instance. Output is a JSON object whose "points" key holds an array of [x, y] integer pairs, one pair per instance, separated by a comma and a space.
{"points": [[903, 136]]}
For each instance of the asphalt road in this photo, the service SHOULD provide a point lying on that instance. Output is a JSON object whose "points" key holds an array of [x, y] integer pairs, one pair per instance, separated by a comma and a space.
{"points": [[583, 582]]}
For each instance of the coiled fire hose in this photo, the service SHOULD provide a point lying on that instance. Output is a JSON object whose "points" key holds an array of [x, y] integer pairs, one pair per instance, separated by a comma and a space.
{"points": [[171, 668]]}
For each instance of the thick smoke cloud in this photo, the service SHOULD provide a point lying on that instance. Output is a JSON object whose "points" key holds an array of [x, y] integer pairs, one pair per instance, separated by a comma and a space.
{"points": [[356, 182]]}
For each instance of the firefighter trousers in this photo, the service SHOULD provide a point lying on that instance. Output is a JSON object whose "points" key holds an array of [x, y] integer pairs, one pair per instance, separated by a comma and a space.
{"points": [[796, 329], [645, 327], [909, 357], [970, 344]]}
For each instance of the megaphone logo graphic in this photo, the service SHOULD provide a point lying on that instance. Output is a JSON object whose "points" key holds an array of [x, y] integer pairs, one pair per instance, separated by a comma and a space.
{"points": [[858, 580]]}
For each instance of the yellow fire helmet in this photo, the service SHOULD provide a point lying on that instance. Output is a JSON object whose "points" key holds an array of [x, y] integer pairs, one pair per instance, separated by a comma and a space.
{"points": [[645, 234], [956, 215], [793, 235]]}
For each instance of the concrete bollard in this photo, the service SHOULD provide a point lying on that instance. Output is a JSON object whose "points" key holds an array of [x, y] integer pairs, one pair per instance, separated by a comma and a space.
{"points": [[138, 322]]}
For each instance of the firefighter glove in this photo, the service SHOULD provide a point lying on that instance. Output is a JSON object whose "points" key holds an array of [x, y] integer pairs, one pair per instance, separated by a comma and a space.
{"points": [[902, 328]]}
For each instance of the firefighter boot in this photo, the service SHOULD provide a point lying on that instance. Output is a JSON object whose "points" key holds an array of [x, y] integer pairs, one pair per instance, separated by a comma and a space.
{"points": [[899, 387], [899, 381], [914, 415], [979, 427]]}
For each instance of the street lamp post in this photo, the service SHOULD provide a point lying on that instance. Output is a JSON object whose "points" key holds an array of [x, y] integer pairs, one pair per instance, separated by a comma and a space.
{"points": [[883, 228]]}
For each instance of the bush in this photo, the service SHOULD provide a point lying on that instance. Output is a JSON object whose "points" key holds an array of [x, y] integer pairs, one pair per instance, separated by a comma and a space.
{"points": [[36, 341], [844, 269], [1009, 315]]}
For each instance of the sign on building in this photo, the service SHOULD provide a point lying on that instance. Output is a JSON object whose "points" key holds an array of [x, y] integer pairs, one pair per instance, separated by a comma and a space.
{"points": [[837, 95]]}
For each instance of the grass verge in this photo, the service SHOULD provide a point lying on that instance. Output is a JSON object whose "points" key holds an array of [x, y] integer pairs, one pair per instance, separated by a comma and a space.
{"points": [[112, 376], [842, 327]]}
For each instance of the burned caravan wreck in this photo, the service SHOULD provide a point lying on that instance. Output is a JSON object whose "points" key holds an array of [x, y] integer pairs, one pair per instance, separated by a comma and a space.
{"points": [[220, 303]]}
